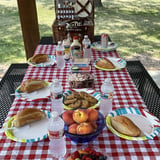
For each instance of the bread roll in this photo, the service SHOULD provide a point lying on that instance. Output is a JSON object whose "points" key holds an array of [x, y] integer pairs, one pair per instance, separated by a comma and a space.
{"points": [[125, 126], [27, 116], [32, 85], [39, 58], [105, 63]]}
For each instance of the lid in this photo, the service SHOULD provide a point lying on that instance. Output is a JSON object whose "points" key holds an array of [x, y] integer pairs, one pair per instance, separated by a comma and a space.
{"points": [[59, 42], [107, 80], [75, 37], [55, 81], [54, 114], [85, 36]]}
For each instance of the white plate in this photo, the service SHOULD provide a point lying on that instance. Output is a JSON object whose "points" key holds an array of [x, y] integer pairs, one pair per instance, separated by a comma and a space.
{"points": [[149, 124], [32, 132], [37, 95], [119, 63], [51, 61], [97, 46]]}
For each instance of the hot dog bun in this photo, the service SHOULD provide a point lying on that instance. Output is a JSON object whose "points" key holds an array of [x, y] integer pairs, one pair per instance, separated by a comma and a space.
{"points": [[31, 85], [27, 116], [39, 58], [105, 63], [125, 126]]}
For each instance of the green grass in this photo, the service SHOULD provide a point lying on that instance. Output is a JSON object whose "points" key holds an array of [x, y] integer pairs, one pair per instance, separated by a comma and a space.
{"points": [[134, 25]]}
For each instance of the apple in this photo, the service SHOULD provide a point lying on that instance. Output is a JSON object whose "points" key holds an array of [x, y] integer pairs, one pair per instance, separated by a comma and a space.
{"points": [[67, 116], [92, 114], [84, 128], [73, 128], [80, 115]]}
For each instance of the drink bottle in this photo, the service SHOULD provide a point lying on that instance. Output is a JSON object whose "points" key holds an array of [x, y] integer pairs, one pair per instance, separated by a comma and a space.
{"points": [[107, 90], [87, 52], [66, 44], [76, 51], [60, 55], [56, 97], [57, 144], [104, 40]]}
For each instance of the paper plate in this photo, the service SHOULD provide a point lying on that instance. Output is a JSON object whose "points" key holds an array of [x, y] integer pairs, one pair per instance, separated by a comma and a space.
{"points": [[50, 62], [91, 92], [149, 124], [118, 62], [37, 95], [33, 132], [97, 46]]}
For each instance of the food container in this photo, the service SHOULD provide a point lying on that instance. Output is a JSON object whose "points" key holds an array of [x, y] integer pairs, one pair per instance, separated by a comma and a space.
{"points": [[80, 68], [87, 137], [81, 80], [80, 65]]}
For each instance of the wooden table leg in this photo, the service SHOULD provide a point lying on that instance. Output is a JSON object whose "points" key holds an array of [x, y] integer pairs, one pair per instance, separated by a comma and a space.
{"points": [[29, 24]]}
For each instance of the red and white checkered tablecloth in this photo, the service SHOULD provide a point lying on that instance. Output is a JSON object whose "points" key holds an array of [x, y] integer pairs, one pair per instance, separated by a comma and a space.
{"points": [[126, 95]]}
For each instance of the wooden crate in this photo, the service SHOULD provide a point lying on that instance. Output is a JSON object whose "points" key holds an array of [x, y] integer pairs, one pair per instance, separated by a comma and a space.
{"points": [[76, 21]]}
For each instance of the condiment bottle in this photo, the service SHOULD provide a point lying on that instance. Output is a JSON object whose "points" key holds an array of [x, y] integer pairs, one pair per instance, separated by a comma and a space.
{"points": [[76, 48]]}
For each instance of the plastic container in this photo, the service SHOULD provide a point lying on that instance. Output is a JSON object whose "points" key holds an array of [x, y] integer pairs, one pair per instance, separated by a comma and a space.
{"points": [[80, 68], [107, 90], [87, 52], [56, 97], [80, 65], [57, 144], [76, 48], [60, 55]]}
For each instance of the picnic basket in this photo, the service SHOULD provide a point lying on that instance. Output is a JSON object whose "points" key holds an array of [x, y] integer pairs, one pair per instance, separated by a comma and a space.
{"points": [[75, 17]]}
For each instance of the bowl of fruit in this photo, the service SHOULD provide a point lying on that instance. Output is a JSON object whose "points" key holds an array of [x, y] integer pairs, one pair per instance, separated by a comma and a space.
{"points": [[88, 153], [83, 125]]}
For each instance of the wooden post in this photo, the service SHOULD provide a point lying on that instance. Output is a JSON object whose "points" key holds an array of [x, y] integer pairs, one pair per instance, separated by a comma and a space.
{"points": [[29, 24]]}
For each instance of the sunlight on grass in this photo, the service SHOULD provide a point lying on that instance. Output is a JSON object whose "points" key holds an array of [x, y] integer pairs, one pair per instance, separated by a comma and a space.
{"points": [[134, 25]]}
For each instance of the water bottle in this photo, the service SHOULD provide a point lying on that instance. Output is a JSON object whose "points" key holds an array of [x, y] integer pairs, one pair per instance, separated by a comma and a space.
{"points": [[67, 52], [57, 97], [107, 90], [87, 52], [57, 144], [60, 55]]}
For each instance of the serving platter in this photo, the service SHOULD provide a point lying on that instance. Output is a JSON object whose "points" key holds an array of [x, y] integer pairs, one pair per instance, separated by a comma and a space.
{"points": [[51, 61], [119, 63], [97, 46], [37, 95], [89, 91], [32, 132], [149, 124]]}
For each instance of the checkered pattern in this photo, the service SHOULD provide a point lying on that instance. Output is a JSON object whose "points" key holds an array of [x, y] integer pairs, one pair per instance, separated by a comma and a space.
{"points": [[126, 95]]}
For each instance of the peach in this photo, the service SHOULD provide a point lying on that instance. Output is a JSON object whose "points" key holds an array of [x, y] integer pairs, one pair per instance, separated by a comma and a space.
{"points": [[68, 117], [92, 114], [84, 128], [80, 115], [73, 128], [94, 126]]}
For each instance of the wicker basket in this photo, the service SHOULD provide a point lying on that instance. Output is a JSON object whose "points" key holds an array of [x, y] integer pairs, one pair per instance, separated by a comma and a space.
{"points": [[69, 20]]}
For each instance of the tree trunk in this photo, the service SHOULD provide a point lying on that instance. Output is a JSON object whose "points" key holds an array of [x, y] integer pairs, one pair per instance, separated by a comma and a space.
{"points": [[98, 3]]}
